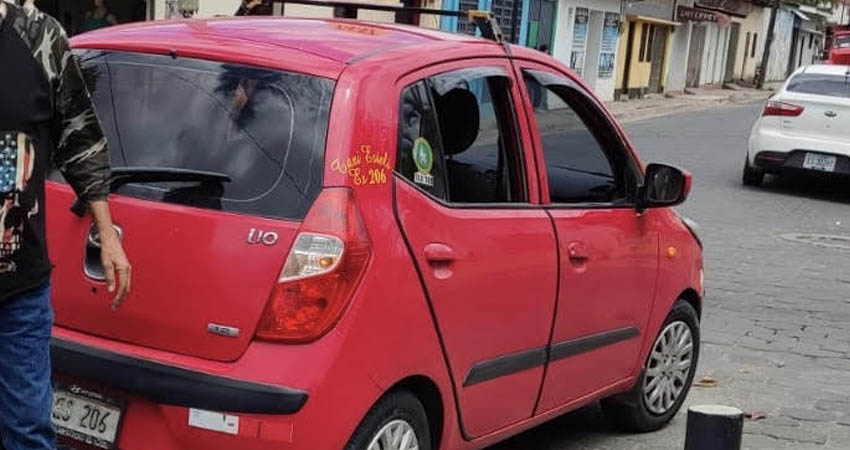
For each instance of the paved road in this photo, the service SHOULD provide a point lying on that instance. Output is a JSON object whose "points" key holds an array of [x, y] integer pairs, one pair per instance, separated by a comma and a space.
{"points": [[776, 327]]}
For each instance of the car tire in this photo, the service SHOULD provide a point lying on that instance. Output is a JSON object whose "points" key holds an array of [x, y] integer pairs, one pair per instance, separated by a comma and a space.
{"points": [[390, 421], [634, 411], [751, 175]]}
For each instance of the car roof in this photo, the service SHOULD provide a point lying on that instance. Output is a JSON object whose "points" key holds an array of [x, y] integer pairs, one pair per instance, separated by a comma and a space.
{"points": [[321, 46], [826, 69]]}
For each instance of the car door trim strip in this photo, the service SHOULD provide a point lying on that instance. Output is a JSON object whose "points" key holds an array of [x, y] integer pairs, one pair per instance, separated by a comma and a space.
{"points": [[529, 359], [588, 343], [505, 365]]}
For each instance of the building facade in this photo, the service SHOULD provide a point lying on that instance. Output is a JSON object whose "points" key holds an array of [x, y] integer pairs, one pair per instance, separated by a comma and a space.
{"points": [[644, 49]]}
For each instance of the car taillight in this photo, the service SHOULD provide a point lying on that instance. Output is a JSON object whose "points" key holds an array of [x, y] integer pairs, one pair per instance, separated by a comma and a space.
{"points": [[774, 108], [321, 273]]}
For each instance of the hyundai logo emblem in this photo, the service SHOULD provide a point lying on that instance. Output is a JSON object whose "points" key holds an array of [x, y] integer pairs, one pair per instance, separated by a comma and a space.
{"points": [[830, 114]]}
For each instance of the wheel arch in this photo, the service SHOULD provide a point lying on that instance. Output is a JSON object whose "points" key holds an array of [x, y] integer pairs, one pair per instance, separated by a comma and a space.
{"points": [[428, 393], [692, 297]]}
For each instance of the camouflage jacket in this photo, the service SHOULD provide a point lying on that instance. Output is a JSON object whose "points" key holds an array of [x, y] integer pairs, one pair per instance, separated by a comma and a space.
{"points": [[46, 116], [80, 151]]}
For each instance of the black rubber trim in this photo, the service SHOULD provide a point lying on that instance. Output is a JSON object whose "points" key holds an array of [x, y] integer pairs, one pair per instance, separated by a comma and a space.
{"points": [[169, 385], [505, 365], [592, 342]]}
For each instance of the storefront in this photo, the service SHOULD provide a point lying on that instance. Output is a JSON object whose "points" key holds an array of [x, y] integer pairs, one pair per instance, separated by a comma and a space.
{"points": [[644, 51], [586, 39]]}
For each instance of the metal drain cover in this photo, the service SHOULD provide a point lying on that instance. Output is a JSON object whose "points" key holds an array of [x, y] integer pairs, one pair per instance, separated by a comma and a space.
{"points": [[821, 240]]}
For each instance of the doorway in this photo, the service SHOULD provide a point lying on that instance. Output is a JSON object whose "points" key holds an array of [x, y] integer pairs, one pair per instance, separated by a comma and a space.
{"points": [[657, 48], [732, 53], [695, 56]]}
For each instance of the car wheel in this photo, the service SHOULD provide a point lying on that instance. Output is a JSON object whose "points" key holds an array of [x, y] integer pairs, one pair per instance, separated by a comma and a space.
{"points": [[666, 378], [397, 422], [752, 176]]}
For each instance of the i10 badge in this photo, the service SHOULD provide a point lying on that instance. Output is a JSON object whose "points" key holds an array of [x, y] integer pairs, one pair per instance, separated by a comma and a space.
{"points": [[256, 236]]}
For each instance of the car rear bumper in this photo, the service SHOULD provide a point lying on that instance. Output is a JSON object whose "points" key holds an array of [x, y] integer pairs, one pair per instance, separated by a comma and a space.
{"points": [[773, 150], [774, 162], [169, 385]]}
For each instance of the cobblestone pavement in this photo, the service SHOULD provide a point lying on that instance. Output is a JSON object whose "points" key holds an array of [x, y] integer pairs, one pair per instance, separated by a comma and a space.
{"points": [[776, 326]]}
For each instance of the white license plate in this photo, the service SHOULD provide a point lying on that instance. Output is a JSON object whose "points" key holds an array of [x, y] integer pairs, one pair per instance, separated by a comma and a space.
{"points": [[85, 416], [820, 162]]}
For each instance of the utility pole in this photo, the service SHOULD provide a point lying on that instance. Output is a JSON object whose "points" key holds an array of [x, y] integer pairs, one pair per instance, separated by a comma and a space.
{"points": [[768, 42]]}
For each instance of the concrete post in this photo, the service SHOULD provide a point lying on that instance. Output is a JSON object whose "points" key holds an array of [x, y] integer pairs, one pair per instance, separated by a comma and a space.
{"points": [[714, 427]]}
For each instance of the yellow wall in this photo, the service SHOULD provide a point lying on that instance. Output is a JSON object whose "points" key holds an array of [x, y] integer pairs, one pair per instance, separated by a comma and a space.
{"points": [[621, 54], [639, 71]]}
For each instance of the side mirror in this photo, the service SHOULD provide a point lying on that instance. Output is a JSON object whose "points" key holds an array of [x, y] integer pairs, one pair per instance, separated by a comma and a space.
{"points": [[664, 186]]}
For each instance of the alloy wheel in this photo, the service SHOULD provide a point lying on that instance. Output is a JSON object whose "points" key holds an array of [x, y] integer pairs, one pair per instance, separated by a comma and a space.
{"points": [[668, 367], [396, 435]]}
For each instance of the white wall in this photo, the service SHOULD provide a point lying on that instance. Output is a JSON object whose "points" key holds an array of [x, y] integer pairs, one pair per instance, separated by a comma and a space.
{"points": [[563, 39], [777, 68]]}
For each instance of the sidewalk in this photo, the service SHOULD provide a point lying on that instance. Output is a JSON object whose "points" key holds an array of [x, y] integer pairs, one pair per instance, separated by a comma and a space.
{"points": [[656, 105]]}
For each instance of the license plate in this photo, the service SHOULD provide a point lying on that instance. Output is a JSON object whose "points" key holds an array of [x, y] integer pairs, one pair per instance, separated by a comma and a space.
{"points": [[815, 161], [86, 416]]}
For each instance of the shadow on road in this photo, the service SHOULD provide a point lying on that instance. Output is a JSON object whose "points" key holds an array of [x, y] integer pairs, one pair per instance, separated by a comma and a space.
{"points": [[826, 188], [564, 433]]}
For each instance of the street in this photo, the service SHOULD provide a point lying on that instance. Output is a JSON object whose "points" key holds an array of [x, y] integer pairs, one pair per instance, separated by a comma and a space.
{"points": [[776, 322]]}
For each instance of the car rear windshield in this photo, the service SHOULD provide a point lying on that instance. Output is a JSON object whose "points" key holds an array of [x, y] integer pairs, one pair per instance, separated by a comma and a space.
{"points": [[842, 41], [265, 129], [821, 84]]}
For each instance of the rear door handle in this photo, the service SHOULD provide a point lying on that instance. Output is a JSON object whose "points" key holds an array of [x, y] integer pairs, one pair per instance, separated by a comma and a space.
{"points": [[578, 252], [436, 253]]}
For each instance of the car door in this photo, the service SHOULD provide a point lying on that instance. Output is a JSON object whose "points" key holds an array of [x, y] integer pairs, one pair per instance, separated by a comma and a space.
{"points": [[608, 250], [487, 255]]}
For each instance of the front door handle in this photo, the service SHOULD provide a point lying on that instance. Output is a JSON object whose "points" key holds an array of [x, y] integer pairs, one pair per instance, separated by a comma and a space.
{"points": [[436, 253], [578, 252]]}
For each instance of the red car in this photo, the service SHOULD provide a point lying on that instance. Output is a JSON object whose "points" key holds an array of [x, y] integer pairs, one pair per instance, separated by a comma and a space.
{"points": [[839, 49], [363, 236]]}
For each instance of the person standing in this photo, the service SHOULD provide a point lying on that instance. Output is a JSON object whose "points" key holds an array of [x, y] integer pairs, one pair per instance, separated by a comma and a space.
{"points": [[46, 115], [97, 18]]}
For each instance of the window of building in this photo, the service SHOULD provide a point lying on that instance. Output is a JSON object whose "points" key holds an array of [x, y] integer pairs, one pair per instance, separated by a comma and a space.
{"points": [[458, 138], [585, 162], [755, 43], [811, 40], [649, 41], [643, 37]]}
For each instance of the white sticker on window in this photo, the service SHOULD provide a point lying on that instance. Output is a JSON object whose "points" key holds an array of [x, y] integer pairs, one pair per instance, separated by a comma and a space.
{"points": [[213, 421]]}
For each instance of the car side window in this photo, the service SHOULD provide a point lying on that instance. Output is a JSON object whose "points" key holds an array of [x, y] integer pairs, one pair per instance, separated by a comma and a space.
{"points": [[585, 161], [463, 145], [420, 146]]}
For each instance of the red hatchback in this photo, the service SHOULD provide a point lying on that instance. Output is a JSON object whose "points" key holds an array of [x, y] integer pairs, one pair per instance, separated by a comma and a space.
{"points": [[365, 237]]}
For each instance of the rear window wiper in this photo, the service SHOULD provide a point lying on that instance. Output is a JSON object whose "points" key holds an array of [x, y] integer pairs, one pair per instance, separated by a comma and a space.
{"points": [[129, 175]]}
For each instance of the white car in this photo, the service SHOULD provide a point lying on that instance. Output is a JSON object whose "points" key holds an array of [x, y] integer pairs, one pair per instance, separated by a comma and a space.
{"points": [[805, 126]]}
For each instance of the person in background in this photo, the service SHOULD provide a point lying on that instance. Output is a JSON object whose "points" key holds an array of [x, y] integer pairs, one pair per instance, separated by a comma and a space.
{"points": [[46, 118], [99, 17], [255, 8]]}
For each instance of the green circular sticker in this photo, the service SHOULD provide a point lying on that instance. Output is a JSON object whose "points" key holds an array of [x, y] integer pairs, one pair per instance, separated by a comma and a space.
{"points": [[423, 156]]}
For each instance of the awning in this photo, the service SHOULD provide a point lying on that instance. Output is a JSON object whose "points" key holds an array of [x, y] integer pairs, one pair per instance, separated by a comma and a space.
{"points": [[799, 14], [654, 20], [813, 10]]}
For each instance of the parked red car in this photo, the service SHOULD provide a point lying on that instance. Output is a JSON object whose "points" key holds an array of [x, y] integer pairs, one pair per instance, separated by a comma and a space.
{"points": [[363, 236], [838, 46]]}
